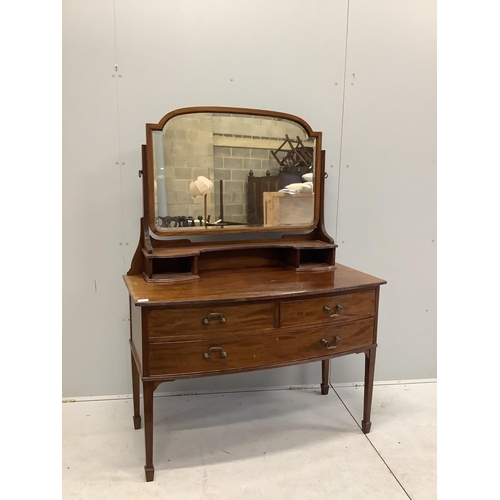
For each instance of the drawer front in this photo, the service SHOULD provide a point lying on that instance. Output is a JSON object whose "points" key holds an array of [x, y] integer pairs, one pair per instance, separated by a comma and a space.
{"points": [[202, 321], [259, 350], [327, 309]]}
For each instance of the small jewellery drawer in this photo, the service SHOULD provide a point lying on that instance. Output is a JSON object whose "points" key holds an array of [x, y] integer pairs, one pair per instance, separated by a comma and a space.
{"points": [[200, 356], [327, 309], [210, 320]]}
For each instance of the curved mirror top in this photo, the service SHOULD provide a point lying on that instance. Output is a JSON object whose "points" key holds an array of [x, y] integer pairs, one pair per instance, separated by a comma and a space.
{"points": [[216, 170]]}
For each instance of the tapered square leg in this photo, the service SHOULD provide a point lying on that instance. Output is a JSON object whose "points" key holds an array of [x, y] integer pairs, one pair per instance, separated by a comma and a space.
{"points": [[325, 373], [136, 394], [150, 473], [368, 393], [147, 391]]}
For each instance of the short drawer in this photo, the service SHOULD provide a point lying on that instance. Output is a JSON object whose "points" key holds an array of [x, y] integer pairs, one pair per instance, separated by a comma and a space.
{"points": [[327, 309], [202, 321], [258, 351]]}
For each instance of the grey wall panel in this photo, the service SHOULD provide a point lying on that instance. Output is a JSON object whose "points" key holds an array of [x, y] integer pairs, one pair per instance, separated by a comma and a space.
{"points": [[387, 200], [94, 300]]}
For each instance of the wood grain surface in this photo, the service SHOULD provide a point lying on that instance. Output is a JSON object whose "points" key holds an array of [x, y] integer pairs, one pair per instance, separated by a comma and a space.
{"points": [[247, 284]]}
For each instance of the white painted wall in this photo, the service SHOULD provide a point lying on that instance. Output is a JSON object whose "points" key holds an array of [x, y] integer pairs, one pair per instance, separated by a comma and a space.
{"points": [[285, 55]]}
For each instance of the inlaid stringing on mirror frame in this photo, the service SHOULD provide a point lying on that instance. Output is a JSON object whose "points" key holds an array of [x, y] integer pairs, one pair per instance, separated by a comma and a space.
{"points": [[234, 148]]}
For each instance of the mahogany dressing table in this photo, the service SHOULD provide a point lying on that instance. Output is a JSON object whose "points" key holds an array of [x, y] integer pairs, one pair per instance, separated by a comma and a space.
{"points": [[211, 291]]}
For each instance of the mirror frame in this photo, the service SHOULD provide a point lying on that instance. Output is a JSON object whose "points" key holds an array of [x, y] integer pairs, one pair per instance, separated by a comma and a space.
{"points": [[148, 172]]}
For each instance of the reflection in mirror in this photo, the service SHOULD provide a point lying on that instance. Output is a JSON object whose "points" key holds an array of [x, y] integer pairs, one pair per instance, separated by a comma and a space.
{"points": [[259, 171]]}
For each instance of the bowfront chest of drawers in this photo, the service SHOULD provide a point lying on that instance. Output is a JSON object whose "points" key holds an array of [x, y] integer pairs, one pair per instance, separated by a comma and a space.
{"points": [[243, 320]]}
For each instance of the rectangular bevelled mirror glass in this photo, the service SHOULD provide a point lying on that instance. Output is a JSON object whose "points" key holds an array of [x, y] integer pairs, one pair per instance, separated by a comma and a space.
{"points": [[215, 169]]}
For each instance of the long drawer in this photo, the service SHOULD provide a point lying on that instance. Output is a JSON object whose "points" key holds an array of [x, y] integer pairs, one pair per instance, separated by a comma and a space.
{"points": [[259, 350], [206, 321], [326, 310]]}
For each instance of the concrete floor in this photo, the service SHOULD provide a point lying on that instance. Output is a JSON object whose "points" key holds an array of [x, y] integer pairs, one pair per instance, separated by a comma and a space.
{"points": [[272, 444]]}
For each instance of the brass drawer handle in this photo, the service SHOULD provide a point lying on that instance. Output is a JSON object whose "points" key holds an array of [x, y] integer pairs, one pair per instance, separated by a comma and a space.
{"points": [[328, 310], [327, 342], [223, 353], [206, 321]]}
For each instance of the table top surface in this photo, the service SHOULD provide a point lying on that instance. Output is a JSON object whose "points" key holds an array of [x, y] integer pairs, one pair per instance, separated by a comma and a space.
{"points": [[242, 285]]}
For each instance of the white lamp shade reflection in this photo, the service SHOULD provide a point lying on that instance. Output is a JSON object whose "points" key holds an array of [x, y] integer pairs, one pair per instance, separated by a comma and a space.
{"points": [[200, 186]]}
